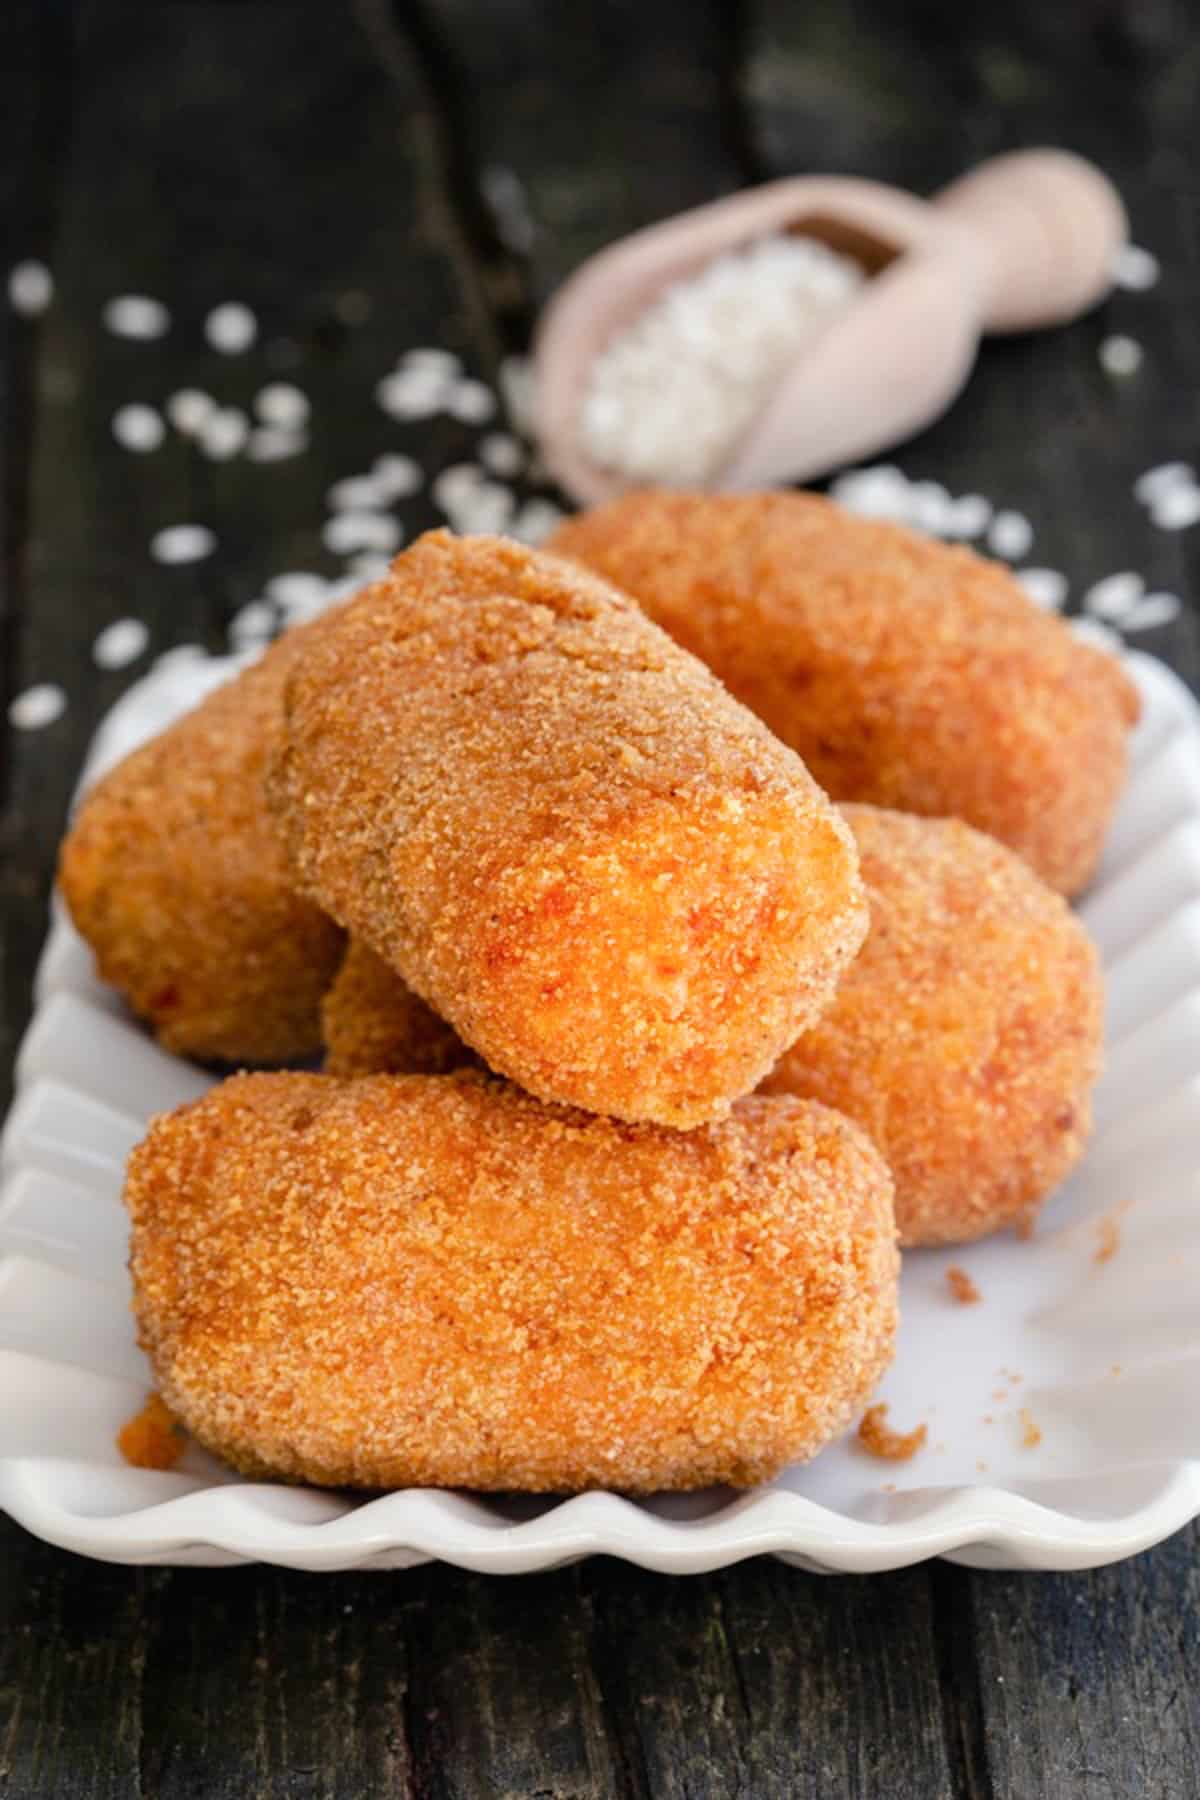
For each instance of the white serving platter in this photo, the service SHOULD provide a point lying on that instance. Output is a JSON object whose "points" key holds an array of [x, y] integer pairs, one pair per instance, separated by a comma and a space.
{"points": [[1100, 1354]]}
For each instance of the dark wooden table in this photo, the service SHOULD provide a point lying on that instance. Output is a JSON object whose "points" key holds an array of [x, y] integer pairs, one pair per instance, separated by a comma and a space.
{"points": [[291, 155]]}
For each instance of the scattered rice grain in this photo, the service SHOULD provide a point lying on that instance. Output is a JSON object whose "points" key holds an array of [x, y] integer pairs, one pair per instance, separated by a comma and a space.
{"points": [[368, 567], [535, 521], [190, 410], [1155, 610], [136, 316], [1113, 597], [397, 476], [412, 393], [1047, 588], [182, 544], [516, 390], [138, 428], [282, 404], [252, 625], [1134, 268], [30, 288], [297, 589], [223, 433], [501, 454], [120, 643], [1010, 535], [1162, 479], [1178, 508], [231, 328], [347, 532], [275, 443], [1120, 355], [356, 493], [471, 402], [37, 707]]}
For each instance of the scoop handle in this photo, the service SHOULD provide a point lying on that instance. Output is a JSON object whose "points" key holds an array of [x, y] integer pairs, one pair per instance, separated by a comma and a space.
{"points": [[1045, 226]]}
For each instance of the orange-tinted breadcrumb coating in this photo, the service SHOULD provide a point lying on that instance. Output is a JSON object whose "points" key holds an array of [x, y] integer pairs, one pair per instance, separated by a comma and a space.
{"points": [[173, 872], [556, 825], [440, 1281], [373, 1024], [966, 1038], [905, 672]]}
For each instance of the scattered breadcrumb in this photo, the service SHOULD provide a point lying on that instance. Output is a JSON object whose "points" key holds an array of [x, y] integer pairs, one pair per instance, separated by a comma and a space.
{"points": [[1031, 1435], [961, 1286], [1108, 1238], [153, 1438], [875, 1435], [981, 1468], [1000, 1394]]}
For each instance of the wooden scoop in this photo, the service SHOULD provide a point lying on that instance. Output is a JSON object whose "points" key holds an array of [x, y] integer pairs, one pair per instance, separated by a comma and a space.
{"points": [[1024, 240]]}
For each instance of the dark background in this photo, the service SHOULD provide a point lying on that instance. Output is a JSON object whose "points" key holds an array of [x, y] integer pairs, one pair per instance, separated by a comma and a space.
{"points": [[288, 155]]}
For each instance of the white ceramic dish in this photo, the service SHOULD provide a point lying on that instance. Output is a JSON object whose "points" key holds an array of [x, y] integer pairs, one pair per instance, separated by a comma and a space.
{"points": [[1103, 1356]]}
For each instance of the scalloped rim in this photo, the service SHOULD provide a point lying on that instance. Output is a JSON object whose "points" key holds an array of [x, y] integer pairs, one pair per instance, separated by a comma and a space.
{"points": [[987, 1527], [980, 1527]]}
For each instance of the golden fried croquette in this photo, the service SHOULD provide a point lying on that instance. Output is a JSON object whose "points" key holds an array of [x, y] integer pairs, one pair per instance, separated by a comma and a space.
{"points": [[173, 872], [905, 672], [562, 833], [966, 1038], [371, 1023], [440, 1281]]}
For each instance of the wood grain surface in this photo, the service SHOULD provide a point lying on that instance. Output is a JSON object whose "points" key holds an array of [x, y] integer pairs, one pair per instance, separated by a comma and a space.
{"points": [[369, 177]]}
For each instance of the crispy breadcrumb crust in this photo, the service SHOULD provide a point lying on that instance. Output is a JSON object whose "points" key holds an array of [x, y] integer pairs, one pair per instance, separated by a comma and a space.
{"points": [[173, 872], [906, 672], [967, 1036], [439, 1281], [609, 877], [371, 1024]]}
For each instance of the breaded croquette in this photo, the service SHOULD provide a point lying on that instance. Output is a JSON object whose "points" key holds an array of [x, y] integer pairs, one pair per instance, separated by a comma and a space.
{"points": [[905, 672], [440, 1281], [966, 1037], [173, 872], [562, 832], [371, 1024]]}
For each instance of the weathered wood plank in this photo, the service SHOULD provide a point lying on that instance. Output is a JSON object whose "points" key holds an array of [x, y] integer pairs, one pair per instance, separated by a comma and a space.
{"points": [[765, 1683], [578, 135], [505, 1690], [72, 1650], [1089, 1681], [262, 1682]]}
